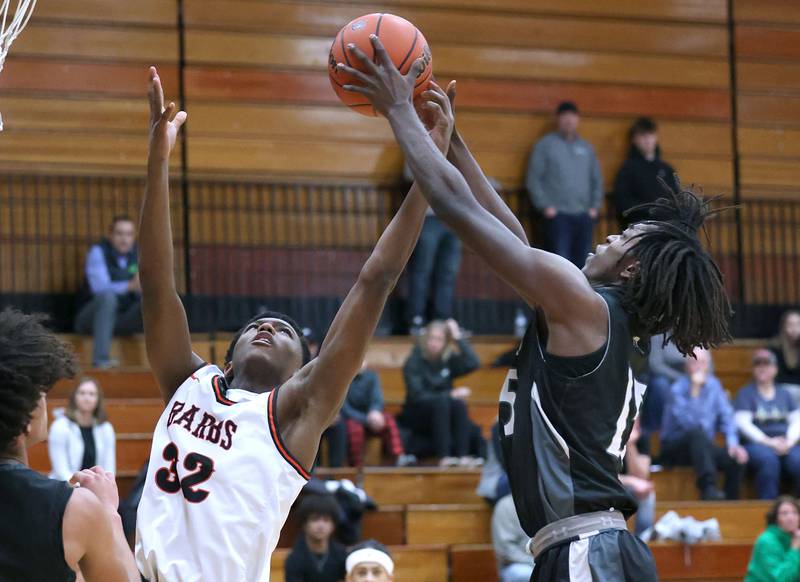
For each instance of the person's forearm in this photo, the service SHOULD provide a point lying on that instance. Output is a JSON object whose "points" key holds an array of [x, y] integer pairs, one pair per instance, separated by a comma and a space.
{"points": [[744, 422], [793, 432], [440, 182], [156, 255], [121, 549], [460, 156]]}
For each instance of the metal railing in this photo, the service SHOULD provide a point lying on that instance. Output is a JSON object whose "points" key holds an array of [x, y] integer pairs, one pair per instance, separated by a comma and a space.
{"points": [[298, 247]]}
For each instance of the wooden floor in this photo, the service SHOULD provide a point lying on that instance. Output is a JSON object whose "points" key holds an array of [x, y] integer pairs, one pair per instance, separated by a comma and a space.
{"points": [[434, 522]]}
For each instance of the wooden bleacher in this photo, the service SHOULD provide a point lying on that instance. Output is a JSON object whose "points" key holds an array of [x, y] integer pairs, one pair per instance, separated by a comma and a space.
{"points": [[437, 526]]}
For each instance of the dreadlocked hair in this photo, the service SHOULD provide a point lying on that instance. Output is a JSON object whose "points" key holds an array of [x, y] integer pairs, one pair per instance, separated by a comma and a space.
{"points": [[32, 359], [677, 289]]}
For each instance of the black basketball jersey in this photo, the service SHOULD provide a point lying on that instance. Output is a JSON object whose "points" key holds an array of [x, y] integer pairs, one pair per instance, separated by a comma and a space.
{"points": [[31, 518], [563, 438]]}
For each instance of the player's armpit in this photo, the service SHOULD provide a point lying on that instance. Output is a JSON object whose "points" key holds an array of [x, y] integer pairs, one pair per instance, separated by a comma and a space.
{"points": [[94, 543]]}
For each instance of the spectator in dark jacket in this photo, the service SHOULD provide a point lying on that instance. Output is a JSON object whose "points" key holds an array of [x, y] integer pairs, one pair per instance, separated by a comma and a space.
{"points": [[638, 179], [364, 415], [787, 352], [769, 422], [697, 408], [316, 557], [433, 406]]}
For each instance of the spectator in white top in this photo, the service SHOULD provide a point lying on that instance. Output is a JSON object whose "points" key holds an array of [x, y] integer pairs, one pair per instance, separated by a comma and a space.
{"points": [[81, 436], [769, 422], [514, 563]]}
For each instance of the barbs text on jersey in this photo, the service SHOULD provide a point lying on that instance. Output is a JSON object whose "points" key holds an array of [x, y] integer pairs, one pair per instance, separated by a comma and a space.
{"points": [[207, 428]]}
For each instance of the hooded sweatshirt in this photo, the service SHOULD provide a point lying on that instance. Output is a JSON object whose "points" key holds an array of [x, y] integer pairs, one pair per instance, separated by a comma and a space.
{"points": [[637, 183]]}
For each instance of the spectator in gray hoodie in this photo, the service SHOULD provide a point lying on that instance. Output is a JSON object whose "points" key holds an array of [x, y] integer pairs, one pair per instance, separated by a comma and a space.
{"points": [[566, 186]]}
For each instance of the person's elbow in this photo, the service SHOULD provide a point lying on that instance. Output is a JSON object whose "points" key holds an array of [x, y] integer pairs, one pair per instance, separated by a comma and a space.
{"points": [[379, 274]]}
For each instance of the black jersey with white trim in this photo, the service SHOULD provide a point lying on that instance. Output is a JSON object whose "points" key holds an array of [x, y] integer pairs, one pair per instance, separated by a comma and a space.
{"points": [[563, 438]]}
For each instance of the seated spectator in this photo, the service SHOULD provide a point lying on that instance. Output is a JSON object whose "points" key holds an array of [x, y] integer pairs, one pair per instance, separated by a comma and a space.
{"points": [[369, 561], [112, 295], [364, 416], [638, 179], [514, 563], [776, 553], [494, 481], [769, 422], [696, 407], [336, 437], [81, 436], [636, 479], [435, 408], [316, 557], [787, 352]]}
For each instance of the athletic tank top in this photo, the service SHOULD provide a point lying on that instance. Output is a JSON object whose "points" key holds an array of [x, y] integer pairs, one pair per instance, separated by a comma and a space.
{"points": [[563, 438], [31, 520], [219, 485]]}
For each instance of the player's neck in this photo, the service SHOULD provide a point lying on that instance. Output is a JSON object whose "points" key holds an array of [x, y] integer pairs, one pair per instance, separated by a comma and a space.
{"points": [[16, 452], [317, 546], [261, 384]]}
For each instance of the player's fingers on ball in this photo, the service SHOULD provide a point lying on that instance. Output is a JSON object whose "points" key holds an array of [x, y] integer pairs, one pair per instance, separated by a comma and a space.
{"points": [[342, 68], [451, 89], [417, 68], [380, 51], [362, 56], [356, 89]]}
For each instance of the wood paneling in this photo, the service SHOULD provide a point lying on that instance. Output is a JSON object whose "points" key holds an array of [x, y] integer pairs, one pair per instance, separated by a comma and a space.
{"points": [[88, 42], [447, 524], [92, 115], [781, 77], [769, 142], [753, 42], [766, 11], [770, 172], [148, 12], [451, 26], [769, 110]]}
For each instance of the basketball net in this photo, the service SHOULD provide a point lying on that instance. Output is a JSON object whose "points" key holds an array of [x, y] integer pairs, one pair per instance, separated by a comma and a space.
{"points": [[10, 27]]}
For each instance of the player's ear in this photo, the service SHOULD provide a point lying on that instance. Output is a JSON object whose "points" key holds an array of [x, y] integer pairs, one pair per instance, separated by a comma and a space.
{"points": [[630, 271]]}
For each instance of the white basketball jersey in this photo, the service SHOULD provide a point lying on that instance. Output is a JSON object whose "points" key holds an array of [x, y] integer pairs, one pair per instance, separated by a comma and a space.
{"points": [[219, 485]]}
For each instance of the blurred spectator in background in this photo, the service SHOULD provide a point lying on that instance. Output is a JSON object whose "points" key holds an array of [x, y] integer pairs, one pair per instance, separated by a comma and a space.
{"points": [[311, 340], [514, 563], [336, 437], [697, 408], [638, 179], [433, 407], [769, 422], [111, 295], [636, 478], [364, 416], [494, 481], [666, 365], [776, 553], [787, 352], [81, 436], [369, 561], [432, 270], [566, 186], [316, 557]]}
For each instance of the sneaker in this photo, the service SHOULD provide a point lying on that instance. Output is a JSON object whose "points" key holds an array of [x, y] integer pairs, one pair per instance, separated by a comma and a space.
{"points": [[469, 462], [107, 364], [417, 325], [711, 493], [446, 462], [406, 461]]}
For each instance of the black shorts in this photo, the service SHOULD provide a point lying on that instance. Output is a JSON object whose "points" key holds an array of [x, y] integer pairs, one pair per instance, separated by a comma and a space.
{"points": [[610, 556]]}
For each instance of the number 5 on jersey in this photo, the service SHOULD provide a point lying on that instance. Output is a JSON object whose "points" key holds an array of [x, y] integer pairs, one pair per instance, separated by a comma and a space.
{"points": [[201, 468]]}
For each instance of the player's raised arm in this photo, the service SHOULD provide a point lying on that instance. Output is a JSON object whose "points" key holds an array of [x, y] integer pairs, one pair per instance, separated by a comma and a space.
{"points": [[166, 329], [460, 156], [315, 395], [541, 278]]}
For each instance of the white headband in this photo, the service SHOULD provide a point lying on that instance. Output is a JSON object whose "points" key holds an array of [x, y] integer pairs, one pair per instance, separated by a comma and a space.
{"points": [[369, 555]]}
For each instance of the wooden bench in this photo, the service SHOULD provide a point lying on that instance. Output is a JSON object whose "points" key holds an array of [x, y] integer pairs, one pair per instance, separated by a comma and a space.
{"points": [[448, 524]]}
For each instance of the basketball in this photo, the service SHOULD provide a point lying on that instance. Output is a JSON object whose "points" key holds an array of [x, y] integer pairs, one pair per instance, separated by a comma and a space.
{"points": [[402, 40]]}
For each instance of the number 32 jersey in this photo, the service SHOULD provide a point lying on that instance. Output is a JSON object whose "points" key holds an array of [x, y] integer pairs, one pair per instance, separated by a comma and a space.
{"points": [[219, 486]]}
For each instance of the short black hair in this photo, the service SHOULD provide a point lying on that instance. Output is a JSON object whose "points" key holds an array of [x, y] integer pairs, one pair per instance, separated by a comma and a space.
{"points": [[32, 359], [772, 514], [270, 315], [567, 107], [642, 125], [372, 545], [677, 288], [314, 504], [120, 218]]}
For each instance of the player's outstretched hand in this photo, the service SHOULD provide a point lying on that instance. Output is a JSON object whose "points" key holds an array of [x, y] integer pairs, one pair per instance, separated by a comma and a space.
{"points": [[99, 482], [164, 122], [435, 109], [384, 86]]}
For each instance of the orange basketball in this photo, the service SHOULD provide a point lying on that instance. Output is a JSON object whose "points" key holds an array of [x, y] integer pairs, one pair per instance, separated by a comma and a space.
{"points": [[402, 40]]}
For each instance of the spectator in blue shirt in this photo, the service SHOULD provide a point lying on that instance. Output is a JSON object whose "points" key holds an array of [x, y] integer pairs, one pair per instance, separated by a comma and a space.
{"points": [[769, 422], [697, 408], [112, 294]]}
